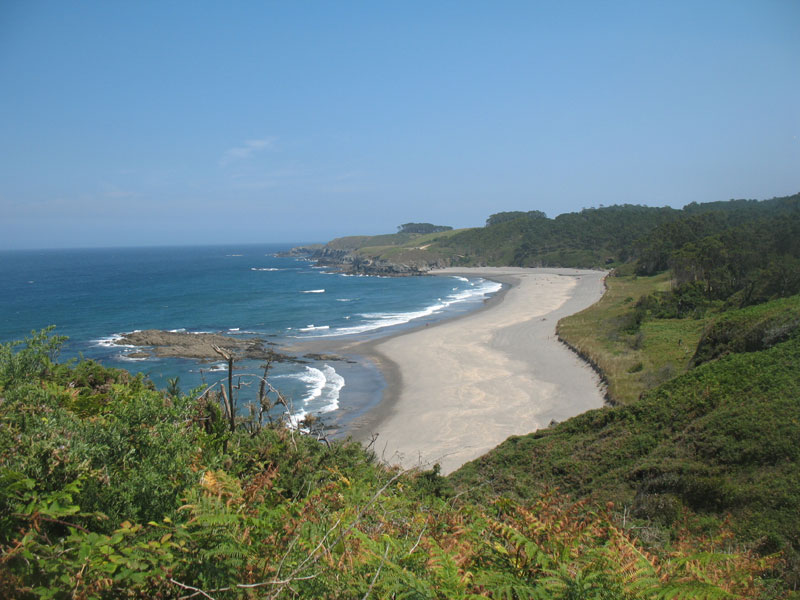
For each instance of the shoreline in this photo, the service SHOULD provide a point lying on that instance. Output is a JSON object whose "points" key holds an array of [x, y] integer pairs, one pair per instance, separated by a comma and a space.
{"points": [[361, 351], [494, 372]]}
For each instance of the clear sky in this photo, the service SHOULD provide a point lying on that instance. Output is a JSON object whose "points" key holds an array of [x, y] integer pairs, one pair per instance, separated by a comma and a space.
{"points": [[152, 123]]}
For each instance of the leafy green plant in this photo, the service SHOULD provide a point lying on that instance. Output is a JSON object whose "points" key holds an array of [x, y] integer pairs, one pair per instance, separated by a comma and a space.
{"points": [[135, 496]]}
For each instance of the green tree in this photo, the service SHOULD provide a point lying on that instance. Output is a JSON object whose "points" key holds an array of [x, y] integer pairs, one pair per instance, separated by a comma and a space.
{"points": [[422, 228]]}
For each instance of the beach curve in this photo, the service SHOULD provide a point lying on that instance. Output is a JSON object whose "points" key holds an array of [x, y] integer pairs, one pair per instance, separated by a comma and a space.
{"points": [[458, 388]]}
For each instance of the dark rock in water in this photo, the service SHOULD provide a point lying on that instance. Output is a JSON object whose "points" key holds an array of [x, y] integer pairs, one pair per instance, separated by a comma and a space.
{"points": [[328, 357], [199, 345]]}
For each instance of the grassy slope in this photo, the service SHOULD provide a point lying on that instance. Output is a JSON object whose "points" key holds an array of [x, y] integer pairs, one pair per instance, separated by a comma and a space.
{"points": [[718, 439], [401, 248], [388, 240], [631, 362]]}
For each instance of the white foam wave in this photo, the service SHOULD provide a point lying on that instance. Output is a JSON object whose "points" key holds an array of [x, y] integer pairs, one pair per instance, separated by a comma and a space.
{"points": [[111, 341], [373, 321], [315, 380], [460, 278], [233, 329], [296, 418], [313, 327], [312, 292], [108, 342], [333, 385], [480, 289], [322, 391], [265, 269]]}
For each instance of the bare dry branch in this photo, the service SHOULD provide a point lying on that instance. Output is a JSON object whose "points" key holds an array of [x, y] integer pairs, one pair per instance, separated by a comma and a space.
{"points": [[197, 591], [378, 572]]}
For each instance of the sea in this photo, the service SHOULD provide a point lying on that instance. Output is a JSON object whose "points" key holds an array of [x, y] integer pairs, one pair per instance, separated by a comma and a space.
{"points": [[94, 296]]}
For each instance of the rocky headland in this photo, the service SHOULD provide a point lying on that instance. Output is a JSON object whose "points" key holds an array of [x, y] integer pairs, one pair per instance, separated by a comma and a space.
{"points": [[351, 261]]}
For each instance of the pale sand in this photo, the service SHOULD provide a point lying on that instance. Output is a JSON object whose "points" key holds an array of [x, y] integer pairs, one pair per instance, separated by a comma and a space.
{"points": [[458, 388]]}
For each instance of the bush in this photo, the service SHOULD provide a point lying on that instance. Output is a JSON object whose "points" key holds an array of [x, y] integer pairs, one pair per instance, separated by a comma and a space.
{"points": [[749, 330]]}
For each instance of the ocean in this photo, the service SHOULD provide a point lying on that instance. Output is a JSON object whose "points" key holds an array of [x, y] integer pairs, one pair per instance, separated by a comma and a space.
{"points": [[93, 296]]}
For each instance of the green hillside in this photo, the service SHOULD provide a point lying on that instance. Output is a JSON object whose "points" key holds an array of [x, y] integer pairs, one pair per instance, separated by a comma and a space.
{"points": [[595, 237], [112, 489], [701, 366], [374, 244], [719, 439]]}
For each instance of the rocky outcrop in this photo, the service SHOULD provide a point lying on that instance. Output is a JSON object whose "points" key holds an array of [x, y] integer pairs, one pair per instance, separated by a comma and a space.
{"points": [[359, 265], [348, 261], [154, 342], [301, 251]]}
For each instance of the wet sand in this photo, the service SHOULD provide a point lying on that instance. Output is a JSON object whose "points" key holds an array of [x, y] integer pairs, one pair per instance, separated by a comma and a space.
{"points": [[458, 388]]}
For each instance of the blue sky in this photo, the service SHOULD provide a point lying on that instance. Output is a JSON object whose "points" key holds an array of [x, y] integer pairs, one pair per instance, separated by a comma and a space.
{"points": [[150, 123]]}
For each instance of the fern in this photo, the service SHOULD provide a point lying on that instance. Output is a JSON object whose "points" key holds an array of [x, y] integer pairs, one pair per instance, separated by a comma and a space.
{"points": [[693, 590]]}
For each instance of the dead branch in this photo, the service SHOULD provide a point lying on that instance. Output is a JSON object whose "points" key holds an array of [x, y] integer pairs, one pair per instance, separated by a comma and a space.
{"points": [[378, 572], [199, 592], [229, 358]]}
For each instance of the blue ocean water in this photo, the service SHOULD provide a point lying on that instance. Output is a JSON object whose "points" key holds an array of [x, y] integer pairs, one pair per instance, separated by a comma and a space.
{"points": [[94, 295]]}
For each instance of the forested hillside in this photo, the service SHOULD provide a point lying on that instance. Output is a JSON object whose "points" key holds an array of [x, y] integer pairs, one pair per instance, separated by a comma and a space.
{"points": [[595, 237]]}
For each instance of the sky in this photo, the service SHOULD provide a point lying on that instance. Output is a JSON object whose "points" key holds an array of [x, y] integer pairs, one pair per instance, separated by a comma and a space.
{"points": [[170, 123]]}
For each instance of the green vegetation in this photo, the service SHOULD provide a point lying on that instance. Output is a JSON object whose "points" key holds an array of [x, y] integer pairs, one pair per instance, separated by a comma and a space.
{"points": [[398, 248], [503, 217], [614, 235], [686, 486], [593, 237], [422, 228], [632, 355], [754, 234], [112, 489], [701, 366]]}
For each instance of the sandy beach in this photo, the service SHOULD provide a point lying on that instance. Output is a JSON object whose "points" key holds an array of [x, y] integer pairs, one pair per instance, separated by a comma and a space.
{"points": [[458, 388]]}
